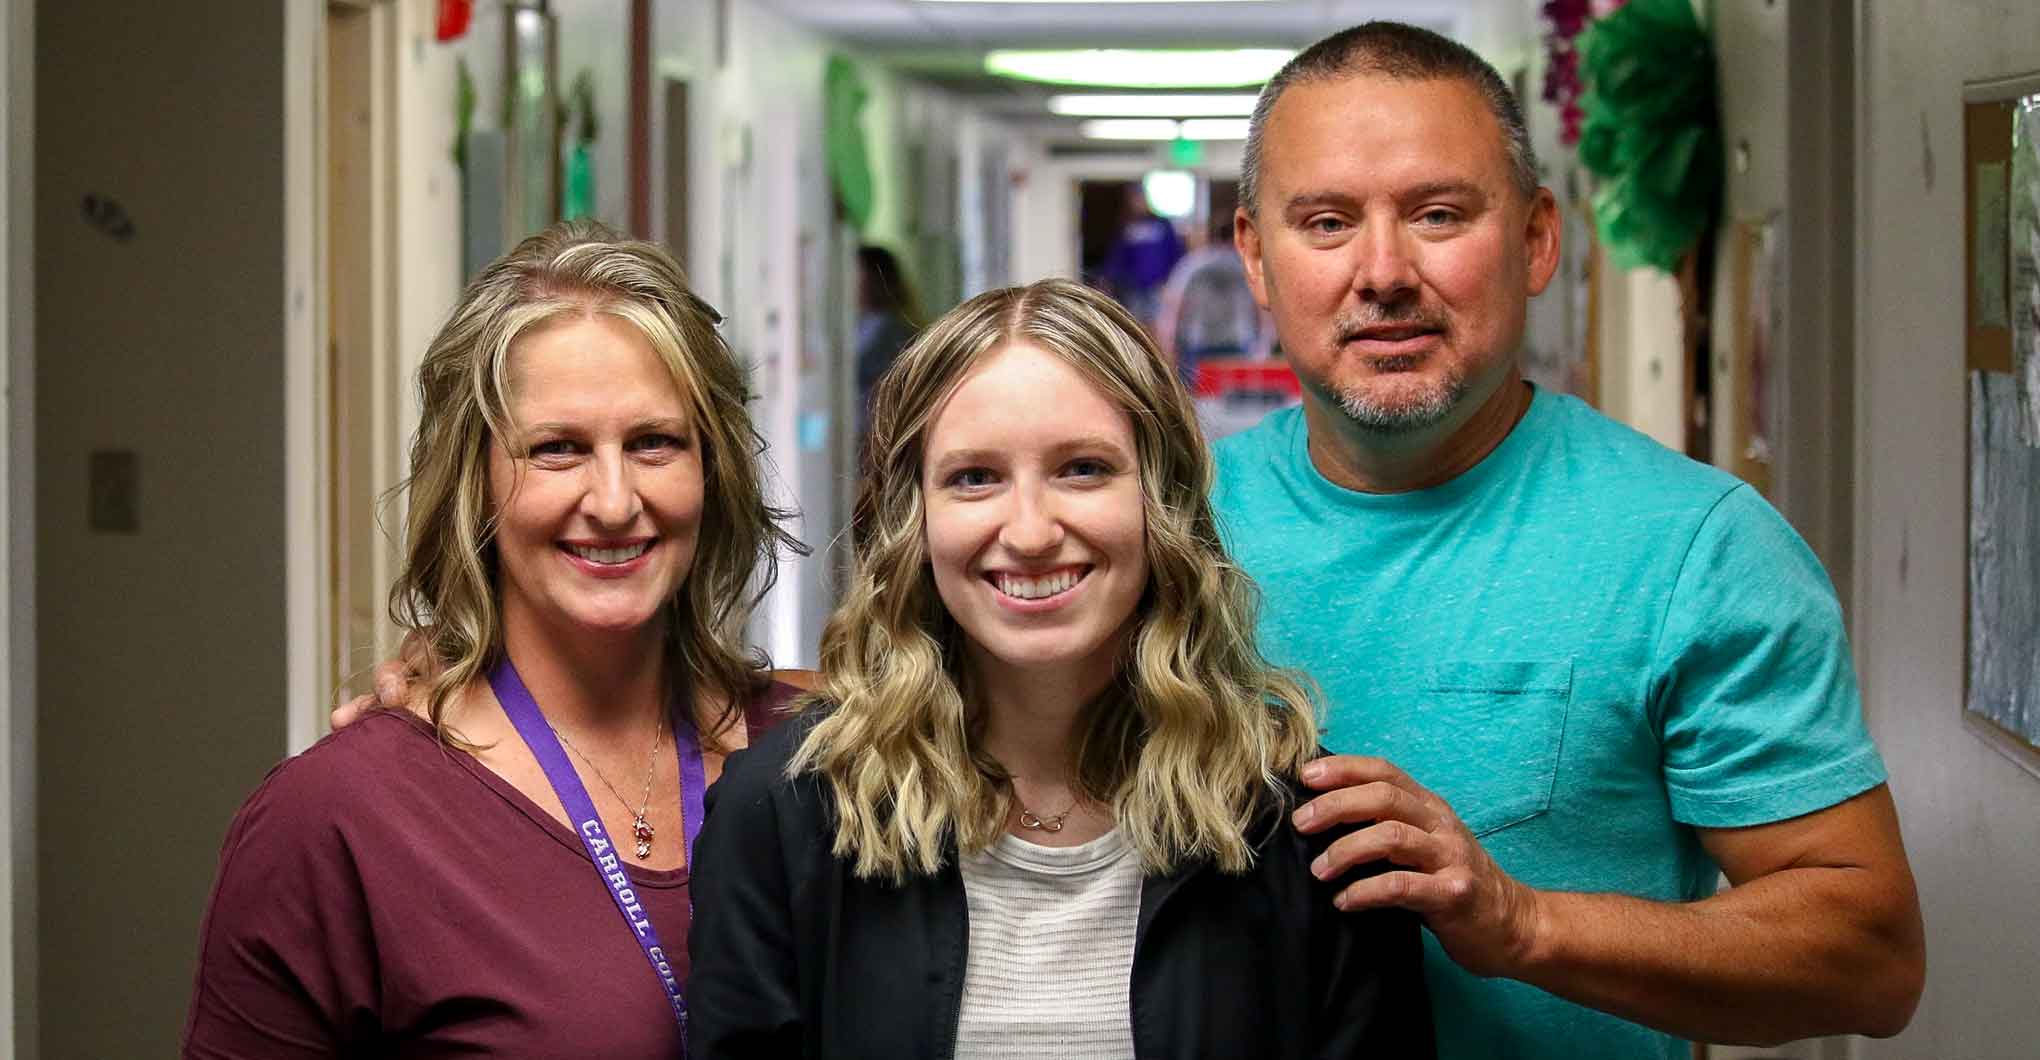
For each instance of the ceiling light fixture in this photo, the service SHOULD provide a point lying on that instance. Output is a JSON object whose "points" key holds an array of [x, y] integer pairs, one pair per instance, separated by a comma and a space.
{"points": [[1130, 129], [1126, 68], [1215, 129], [1170, 192], [1126, 105], [1163, 129]]}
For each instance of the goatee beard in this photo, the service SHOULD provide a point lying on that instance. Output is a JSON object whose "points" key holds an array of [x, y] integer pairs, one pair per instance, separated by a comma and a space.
{"points": [[1380, 417], [1372, 414]]}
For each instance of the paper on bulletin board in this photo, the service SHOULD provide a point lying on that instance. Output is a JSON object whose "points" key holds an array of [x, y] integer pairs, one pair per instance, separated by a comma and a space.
{"points": [[2024, 235], [1993, 215], [1986, 237], [2004, 563]]}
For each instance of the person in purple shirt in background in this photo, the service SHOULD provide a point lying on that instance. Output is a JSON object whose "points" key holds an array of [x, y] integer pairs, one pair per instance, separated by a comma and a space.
{"points": [[1140, 258], [504, 871]]}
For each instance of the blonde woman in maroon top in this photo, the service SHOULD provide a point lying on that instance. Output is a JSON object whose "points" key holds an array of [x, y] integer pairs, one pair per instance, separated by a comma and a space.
{"points": [[508, 875]]}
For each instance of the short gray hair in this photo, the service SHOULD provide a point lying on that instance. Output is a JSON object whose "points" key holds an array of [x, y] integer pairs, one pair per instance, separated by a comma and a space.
{"points": [[1403, 52]]}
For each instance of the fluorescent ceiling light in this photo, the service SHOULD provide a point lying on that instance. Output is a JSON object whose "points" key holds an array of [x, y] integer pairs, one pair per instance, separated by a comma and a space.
{"points": [[1125, 105], [1215, 129], [1123, 68], [1130, 129], [1163, 129], [1170, 192]]}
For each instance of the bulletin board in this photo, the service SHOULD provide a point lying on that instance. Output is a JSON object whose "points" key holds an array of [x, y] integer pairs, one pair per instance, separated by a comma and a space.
{"points": [[2001, 225]]}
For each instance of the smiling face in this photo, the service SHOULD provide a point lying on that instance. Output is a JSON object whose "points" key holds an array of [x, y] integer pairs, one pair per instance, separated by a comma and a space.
{"points": [[1035, 526], [599, 496], [1393, 249]]}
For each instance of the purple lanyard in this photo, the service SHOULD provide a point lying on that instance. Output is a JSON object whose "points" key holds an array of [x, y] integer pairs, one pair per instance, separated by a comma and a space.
{"points": [[566, 783]]}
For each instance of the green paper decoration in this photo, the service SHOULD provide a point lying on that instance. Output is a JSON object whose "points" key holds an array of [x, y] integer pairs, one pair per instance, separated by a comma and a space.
{"points": [[580, 108], [577, 190], [463, 110], [1653, 131], [843, 140], [577, 184]]}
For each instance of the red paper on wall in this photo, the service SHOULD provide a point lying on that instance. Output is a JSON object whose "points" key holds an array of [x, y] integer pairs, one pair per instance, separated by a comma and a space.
{"points": [[454, 16]]}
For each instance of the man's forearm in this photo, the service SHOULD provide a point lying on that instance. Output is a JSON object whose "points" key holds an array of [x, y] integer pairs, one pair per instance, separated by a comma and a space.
{"points": [[1799, 953]]}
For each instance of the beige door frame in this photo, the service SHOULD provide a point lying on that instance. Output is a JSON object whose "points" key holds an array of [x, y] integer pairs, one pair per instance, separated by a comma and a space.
{"points": [[343, 406]]}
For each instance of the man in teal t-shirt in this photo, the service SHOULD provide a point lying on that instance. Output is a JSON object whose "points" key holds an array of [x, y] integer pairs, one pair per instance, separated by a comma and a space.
{"points": [[1573, 676]]}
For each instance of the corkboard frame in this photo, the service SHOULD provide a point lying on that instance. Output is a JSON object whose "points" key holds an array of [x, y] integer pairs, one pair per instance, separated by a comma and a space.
{"points": [[1987, 108]]}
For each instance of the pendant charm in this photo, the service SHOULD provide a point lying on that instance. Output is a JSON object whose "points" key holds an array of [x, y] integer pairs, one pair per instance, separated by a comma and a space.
{"points": [[642, 829], [1052, 824]]}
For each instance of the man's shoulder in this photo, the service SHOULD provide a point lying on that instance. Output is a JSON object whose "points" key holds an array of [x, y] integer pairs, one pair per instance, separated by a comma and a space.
{"points": [[1258, 450], [1606, 458]]}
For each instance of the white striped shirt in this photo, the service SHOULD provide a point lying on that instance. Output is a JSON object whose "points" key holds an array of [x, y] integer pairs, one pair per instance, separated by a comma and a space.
{"points": [[1051, 951]]}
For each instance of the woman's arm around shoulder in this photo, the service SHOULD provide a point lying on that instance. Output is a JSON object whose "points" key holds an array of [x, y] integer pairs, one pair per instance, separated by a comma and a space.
{"points": [[1372, 997], [743, 989]]}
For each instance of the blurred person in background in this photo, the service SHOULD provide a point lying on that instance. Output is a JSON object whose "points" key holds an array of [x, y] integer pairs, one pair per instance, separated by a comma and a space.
{"points": [[505, 870], [1140, 257], [886, 315], [1207, 308]]}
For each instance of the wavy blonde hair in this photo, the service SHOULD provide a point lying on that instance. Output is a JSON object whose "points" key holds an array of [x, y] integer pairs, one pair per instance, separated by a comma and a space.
{"points": [[447, 590], [1191, 742]]}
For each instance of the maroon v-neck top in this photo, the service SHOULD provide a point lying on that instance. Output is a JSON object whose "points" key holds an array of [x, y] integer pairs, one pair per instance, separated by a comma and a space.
{"points": [[382, 895]]}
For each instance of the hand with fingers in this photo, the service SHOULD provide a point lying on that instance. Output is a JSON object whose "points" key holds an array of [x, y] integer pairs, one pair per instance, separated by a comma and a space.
{"points": [[395, 681], [1486, 920]]}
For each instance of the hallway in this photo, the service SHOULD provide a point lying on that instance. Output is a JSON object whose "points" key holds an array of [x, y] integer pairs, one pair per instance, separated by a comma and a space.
{"points": [[231, 234]]}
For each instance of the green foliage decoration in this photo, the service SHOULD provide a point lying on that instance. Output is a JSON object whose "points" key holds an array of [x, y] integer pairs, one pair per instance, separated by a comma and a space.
{"points": [[849, 161], [1653, 131], [463, 110]]}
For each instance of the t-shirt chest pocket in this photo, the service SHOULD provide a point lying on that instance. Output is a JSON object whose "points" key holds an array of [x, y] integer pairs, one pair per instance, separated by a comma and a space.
{"points": [[1509, 721]]}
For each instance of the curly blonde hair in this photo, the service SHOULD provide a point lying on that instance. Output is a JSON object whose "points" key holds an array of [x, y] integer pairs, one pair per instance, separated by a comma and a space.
{"points": [[447, 590], [1189, 745]]}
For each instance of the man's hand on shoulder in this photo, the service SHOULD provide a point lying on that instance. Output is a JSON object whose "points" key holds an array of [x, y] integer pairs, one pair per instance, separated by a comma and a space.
{"points": [[1486, 920], [398, 684]]}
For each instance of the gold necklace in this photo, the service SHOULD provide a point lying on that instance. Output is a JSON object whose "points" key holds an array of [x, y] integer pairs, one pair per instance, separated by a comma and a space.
{"points": [[640, 828], [1051, 824]]}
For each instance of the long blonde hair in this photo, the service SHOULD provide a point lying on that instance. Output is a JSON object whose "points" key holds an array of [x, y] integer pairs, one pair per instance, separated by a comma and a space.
{"points": [[447, 589], [1197, 734]]}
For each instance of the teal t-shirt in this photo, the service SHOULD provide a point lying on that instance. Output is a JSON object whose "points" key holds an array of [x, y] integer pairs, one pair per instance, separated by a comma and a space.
{"points": [[1587, 644]]}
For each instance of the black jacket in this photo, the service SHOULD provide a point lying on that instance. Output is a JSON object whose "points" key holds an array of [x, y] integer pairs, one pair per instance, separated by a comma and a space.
{"points": [[793, 956]]}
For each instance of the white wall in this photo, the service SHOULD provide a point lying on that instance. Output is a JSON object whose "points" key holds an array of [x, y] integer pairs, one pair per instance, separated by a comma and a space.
{"points": [[427, 201], [1751, 45], [1971, 816], [761, 215], [1641, 353], [1786, 79]]}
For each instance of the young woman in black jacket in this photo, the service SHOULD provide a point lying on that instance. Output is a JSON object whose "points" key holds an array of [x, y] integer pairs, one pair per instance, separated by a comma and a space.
{"points": [[1039, 808]]}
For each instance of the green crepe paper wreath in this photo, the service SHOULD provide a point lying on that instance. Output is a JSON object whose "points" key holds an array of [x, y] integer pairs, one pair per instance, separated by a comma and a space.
{"points": [[843, 140], [1653, 131]]}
